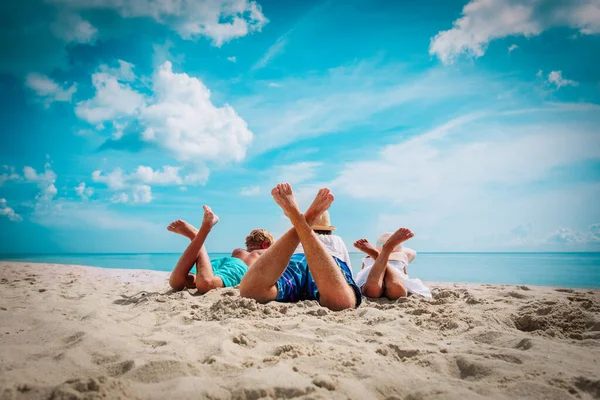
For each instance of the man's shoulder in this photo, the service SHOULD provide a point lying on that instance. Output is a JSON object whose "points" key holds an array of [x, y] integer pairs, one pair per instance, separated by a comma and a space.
{"points": [[239, 251]]}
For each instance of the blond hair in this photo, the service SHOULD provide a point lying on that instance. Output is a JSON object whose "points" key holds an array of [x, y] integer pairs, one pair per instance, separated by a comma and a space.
{"points": [[257, 237]]}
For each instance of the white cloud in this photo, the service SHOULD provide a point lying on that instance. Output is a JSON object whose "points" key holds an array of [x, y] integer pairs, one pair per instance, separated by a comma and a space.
{"points": [[83, 191], [297, 173], [120, 198], [9, 174], [140, 194], [179, 117], [512, 47], [8, 212], [232, 59], [49, 90], [111, 101], [114, 180], [276, 48], [442, 160], [219, 20], [72, 28], [540, 73], [124, 72], [45, 182], [274, 84], [485, 20], [138, 182], [183, 120], [565, 236], [250, 191], [556, 78], [348, 97]]}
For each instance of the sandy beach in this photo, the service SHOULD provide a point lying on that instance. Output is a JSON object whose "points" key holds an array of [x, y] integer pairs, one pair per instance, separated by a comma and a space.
{"points": [[72, 332]]}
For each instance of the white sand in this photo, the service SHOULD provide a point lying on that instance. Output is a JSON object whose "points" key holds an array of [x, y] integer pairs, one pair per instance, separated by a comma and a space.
{"points": [[71, 332]]}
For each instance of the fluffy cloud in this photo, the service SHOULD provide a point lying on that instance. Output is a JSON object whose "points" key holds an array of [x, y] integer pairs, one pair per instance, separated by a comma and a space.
{"points": [[179, 117], [512, 48], [72, 28], [49, 90], [124, 71], [112, 100], [486, 20], [9, 174], [45, 182], [140, 194], [556, 78], [138, 182], [8, 212], [219, 20], [182, 119], [566, 236], [84, 192], [232, 59]]}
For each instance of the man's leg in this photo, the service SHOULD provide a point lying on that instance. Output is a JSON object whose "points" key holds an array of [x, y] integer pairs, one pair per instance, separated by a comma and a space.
{"points": [[374, 285], [196, 253], [335, 292], [260, 281]]}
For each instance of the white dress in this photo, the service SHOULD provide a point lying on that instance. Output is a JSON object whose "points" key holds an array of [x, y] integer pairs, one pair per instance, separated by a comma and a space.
{"points": [[413, 285]]}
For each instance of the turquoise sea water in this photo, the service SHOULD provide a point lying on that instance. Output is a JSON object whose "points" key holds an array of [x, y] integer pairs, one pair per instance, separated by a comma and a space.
{"points": [[577, 270]]}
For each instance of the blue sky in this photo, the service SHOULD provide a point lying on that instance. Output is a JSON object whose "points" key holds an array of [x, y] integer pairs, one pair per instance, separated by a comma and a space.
{"points": [[476, 124]]}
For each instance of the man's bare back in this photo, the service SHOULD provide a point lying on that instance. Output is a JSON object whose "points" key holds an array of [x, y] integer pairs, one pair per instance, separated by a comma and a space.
{"points": [[249, 257]]}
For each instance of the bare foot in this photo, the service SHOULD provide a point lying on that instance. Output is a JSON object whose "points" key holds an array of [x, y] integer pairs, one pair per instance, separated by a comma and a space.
{"points": [[320, 204], [210, 218], [284, 196], [367, 248], [401, 235], [183, 228]]}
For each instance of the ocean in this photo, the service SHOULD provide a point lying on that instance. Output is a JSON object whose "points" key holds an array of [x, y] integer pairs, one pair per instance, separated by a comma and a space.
{"points": [[574, 270]]}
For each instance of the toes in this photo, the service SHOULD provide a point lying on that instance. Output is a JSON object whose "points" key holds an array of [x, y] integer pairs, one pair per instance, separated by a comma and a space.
{"points": [[170, 228]]}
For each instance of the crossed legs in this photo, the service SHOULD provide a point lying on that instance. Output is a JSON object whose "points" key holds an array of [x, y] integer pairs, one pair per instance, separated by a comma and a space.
{"points": [[260, 281], [383, 279], [195, 253]]}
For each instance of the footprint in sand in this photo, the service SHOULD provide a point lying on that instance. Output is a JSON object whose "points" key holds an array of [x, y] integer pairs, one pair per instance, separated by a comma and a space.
{"points": [[74, 339], [154, 343]]}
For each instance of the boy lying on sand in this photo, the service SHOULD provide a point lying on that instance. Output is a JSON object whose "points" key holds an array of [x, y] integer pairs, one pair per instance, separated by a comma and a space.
{"points": [[281, 275], [220, 272]]}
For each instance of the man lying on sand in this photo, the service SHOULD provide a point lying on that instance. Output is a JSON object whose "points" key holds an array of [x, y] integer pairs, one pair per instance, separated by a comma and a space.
{"points": [[281, 275], [383, 271], [334, 244], [220, 272]]}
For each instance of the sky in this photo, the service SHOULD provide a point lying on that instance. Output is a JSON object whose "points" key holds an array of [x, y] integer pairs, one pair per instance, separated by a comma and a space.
{"points": [[475, 124]]}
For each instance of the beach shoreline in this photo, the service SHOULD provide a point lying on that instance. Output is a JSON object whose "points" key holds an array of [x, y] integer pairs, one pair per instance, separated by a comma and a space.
{"points": [[86, 331]]}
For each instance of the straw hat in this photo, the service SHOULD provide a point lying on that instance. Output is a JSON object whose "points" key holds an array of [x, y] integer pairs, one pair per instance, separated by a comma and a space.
{"points": [[323, 223], [396, 253]]}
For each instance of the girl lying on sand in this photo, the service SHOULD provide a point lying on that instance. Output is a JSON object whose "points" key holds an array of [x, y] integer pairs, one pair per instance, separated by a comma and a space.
{"points": [[383, 271]]}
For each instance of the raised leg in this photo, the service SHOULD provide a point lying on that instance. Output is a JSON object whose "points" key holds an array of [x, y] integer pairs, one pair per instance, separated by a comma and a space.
{"points": [[335, 293], [374, 285], [196, 253], [259, 282], [394, 286]]}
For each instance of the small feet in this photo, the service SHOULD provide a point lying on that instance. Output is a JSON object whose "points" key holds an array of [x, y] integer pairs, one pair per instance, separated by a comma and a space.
{"points": [[210, 218], [183, 228], [367, 248], [284, 196], [320, 204], [401, 235]]}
